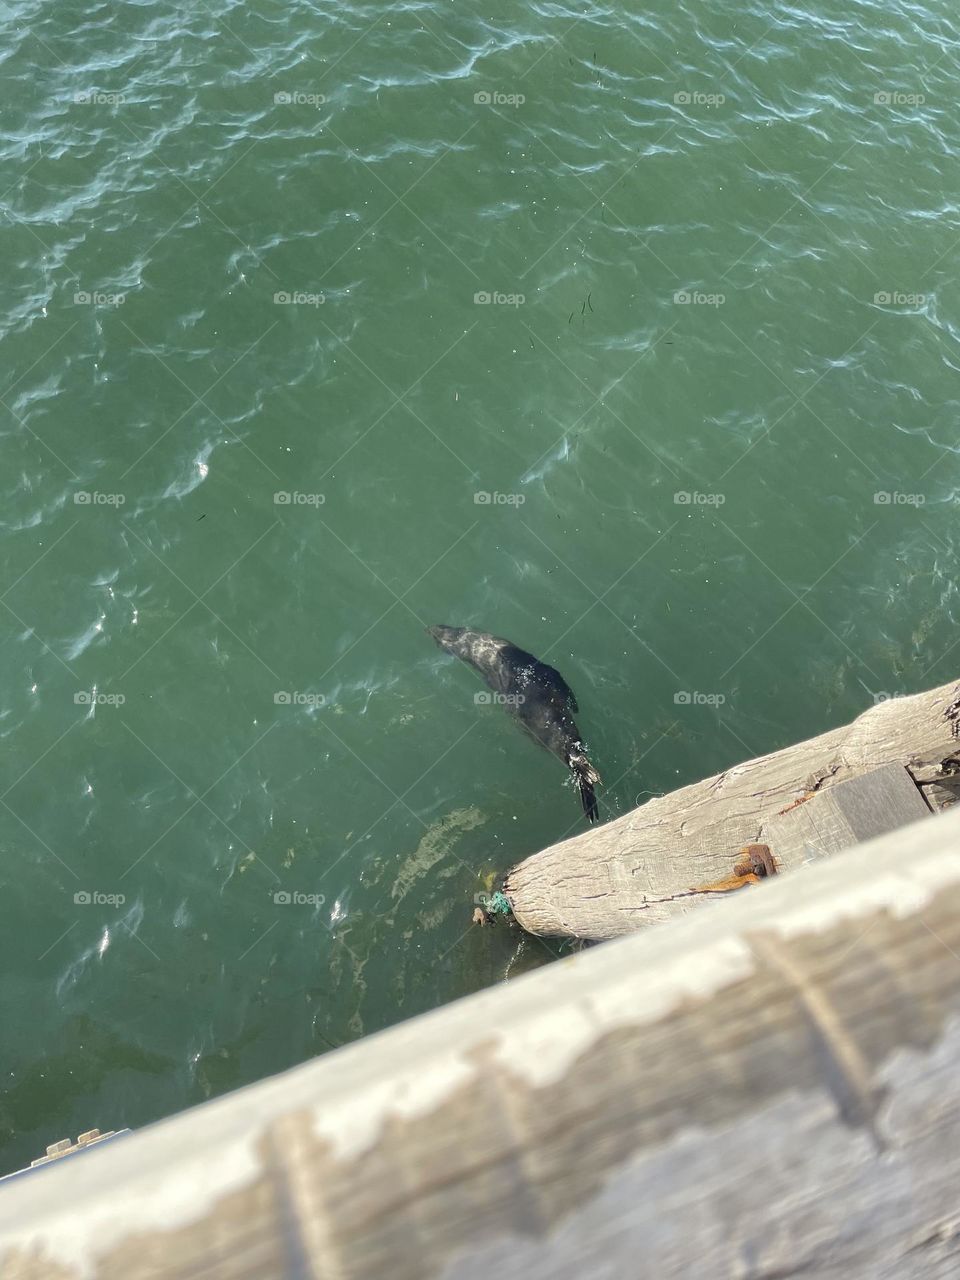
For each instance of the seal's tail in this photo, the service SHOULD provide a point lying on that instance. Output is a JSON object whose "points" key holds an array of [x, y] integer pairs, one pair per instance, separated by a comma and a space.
{"points": [[585, 778]]}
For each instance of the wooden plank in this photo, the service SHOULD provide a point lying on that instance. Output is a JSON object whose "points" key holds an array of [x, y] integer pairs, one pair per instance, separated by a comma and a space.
{"points": [[845, 814], [645, 867], [939, 777], [776, 1095]]}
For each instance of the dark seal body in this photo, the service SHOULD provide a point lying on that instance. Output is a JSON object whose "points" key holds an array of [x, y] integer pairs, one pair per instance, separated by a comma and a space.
{"points": [[535, 694]]}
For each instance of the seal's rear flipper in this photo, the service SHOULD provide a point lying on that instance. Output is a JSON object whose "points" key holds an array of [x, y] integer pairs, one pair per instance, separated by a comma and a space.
{"points": [[585, 778]]}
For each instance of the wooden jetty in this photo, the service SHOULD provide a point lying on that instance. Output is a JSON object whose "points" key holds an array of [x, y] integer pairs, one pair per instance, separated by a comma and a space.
{"points": [[770, 1088], [898, 761], [766, 1085]]}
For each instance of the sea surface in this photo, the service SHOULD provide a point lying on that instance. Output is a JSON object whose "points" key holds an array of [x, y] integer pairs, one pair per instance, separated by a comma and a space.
{"points": [[628, 333]]}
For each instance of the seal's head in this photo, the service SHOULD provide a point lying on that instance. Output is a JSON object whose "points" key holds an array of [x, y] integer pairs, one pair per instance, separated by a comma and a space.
{"points": [[446, 637]]}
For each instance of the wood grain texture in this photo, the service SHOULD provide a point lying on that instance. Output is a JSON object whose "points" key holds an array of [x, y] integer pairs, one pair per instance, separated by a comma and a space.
{"points": [[777, 1095], [644, 868], [845, 814]]}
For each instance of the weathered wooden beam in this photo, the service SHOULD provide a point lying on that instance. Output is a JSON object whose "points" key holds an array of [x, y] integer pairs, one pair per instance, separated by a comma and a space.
{"points": [[845, 814], [768, 1089], [645, 867]]}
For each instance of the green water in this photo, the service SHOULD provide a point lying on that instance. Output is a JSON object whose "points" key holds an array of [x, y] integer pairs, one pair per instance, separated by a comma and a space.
{"points": [[779, 601]]}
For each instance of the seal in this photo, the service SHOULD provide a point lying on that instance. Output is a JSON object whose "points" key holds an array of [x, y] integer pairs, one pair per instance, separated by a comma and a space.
{"points": [[535, 694]]}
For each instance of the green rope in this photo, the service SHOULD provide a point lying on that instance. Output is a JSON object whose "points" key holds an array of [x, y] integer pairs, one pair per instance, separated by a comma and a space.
{"points": [[496, 904]]}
